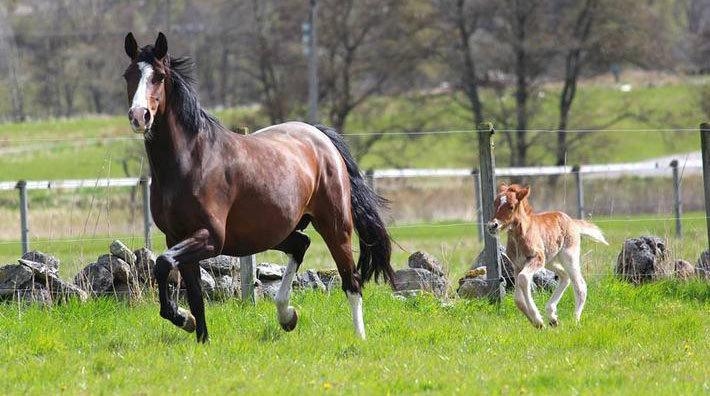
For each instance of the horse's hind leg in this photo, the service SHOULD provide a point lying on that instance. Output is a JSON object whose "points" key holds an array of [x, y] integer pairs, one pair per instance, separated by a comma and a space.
{"points": [[551, 307], [295, 246], [339, 244]]}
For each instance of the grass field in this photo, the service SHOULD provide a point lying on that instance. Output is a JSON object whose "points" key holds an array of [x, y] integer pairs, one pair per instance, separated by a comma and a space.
{"points": [[633, 340]]}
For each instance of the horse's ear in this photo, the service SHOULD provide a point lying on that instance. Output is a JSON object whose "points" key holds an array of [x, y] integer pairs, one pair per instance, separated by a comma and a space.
{"points": [[131, 46], [502, 188], [160, 49], [522, 193]]}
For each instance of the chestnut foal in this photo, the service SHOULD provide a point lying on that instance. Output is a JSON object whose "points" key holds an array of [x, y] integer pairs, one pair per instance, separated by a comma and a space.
{"points": [[537, 240]]}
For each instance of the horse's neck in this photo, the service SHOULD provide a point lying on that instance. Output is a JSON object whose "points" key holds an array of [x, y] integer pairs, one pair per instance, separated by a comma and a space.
{"points": [[171, 150]]}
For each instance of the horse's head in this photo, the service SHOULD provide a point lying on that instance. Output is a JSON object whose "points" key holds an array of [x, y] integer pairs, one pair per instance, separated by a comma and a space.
{"points": [[145, 81], [508, 203]]}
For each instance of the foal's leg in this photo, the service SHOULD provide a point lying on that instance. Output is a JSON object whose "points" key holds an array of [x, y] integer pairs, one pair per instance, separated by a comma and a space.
{"points": [[551, 307], [295, 246], [185, 256], [574, 270], [523, 294]]}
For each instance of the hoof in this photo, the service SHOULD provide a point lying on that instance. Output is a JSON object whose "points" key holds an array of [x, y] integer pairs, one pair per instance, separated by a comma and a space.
{"points": [[553, 323], [291, 324], [189, 325]]}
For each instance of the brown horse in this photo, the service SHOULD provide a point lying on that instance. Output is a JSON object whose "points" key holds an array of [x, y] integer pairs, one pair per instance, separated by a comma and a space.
{"points": [[217, 192], [537, 240]]}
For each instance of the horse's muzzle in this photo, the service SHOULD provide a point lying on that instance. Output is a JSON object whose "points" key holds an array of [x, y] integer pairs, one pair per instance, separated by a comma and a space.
{"points": [[140, 119], [493, 227]]}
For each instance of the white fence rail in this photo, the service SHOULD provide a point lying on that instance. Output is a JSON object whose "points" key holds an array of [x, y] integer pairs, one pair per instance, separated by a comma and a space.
{"points": [[595, 170]]}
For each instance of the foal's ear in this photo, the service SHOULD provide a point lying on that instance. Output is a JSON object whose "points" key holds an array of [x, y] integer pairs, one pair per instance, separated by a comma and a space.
{"points": [[502, 188], [131, 46], [522, 193], [160, 49]]}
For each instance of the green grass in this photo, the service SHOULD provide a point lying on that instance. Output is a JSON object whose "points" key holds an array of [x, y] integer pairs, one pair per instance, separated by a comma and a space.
{"points": [[633, 340]]}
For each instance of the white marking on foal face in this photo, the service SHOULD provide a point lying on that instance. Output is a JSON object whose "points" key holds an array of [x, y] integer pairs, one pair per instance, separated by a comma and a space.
{"points": [[140, 98], [503, 201]]}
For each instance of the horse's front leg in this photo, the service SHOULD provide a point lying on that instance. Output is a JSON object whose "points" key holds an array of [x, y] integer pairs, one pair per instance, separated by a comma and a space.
{"points": [[185, 257]]}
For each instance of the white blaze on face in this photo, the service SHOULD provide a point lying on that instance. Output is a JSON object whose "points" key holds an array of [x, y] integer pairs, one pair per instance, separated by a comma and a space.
{"points": [[140, 98], [503, 201]]}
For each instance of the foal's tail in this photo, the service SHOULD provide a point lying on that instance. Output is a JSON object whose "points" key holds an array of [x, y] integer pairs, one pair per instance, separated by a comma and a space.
{"points": [[375, 245], [590, 230]]}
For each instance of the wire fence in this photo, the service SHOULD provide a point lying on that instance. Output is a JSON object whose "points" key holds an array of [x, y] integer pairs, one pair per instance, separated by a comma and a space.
{"points": [[97, 211]]}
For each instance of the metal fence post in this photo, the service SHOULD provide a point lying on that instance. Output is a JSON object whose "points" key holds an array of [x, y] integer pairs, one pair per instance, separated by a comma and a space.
{"points": [[580, 191], [677, 204], [477, 202], [247, 274], [147, 219], [24, 212]]}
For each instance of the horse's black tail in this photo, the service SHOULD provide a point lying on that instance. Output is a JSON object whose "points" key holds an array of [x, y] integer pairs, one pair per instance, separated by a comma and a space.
{"points": [[375, 245]]}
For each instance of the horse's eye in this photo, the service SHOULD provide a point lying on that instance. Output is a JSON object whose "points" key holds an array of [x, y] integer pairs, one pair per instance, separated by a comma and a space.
{"points": [[158, 78]]}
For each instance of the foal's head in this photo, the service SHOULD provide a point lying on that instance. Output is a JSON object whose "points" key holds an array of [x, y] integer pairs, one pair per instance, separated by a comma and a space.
{"points": [[510, 203], [145, 81]]}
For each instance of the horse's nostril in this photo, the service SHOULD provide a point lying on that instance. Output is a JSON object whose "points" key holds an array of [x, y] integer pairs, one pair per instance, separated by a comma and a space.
{"points": [[135, 123], [146, 116]]}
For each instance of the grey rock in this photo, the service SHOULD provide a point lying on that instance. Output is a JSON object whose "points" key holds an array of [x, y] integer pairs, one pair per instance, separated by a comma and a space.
{"points": [[425, 261], [330, 278], [545, 279], [110, 275], [120, 250], [683, 270], [310, 280], [472, 288], [144, 267], [420, 279], [267, 271], [14, 277], [221, 265], [35, 282], [642, 260], [44, 259], [268, 288], [507, 270], [207, 282], [226, 287], [702, 270]]}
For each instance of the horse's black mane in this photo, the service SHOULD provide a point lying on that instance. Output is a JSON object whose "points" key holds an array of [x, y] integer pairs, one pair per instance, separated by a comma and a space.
{"points": [[184, 97]]}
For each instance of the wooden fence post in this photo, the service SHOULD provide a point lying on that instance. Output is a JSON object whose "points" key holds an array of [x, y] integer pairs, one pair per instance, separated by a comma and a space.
{"points": [[24, 213], [491, 254], [477, 202], [580, 191], [705, 147], [147, 217], [677, 203], [247, 275]]}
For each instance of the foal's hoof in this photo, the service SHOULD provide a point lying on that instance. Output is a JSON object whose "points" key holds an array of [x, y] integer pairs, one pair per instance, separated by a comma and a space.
{"points": [[553, 323], [190, 323], [291, 324]]}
